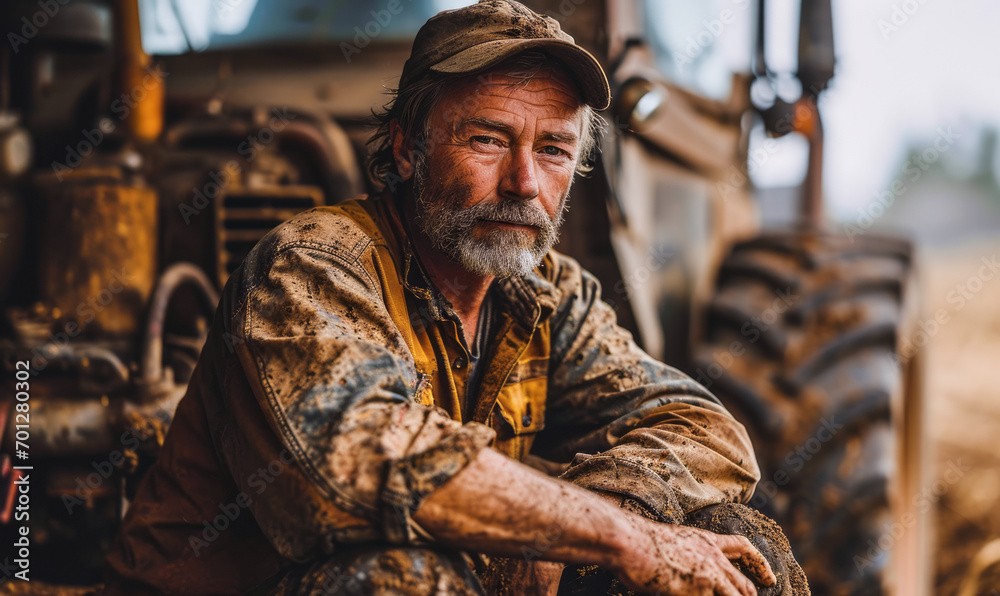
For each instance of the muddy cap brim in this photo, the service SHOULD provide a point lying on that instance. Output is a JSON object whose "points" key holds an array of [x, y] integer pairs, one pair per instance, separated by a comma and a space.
{"points": [[472, 39], [592, 82]]}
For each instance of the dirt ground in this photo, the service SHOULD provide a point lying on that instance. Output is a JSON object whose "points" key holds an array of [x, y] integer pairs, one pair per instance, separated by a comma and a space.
{"points": [[964, 404]]}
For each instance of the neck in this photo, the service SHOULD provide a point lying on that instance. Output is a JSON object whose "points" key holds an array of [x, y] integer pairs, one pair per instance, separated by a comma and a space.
{"points": [[464, 289]]}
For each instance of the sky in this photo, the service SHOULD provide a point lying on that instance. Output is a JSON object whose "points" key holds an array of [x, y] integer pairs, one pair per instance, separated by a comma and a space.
{"points": [[909, 74]]}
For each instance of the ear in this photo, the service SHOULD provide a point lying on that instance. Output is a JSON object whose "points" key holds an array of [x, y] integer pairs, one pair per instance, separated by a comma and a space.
{"points": [[402, 151]]}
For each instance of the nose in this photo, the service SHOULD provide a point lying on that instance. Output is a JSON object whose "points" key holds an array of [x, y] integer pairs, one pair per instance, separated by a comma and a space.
{"points": [[519, 180]]}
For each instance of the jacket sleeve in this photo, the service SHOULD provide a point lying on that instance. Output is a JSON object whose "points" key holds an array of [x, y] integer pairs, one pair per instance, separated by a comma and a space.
{"points": [[652, 433], [335, 382]]}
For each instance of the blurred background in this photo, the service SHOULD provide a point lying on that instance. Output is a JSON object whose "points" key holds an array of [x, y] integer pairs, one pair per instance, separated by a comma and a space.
{"points": [[841, 152]]}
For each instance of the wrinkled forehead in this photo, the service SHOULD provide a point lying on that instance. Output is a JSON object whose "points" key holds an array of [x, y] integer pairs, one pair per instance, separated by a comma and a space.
{"points": [[545, 94]]}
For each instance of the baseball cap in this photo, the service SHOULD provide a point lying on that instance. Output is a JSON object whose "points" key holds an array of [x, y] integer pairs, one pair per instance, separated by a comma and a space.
{"points": [[471, 39]]}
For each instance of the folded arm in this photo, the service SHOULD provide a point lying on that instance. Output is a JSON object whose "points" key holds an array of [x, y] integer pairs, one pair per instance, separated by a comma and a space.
{"points": [[502, 507], [642, 429]]}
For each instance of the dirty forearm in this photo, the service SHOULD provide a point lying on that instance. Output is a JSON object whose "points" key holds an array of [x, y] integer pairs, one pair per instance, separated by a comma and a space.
{"points": [[499, 506]]}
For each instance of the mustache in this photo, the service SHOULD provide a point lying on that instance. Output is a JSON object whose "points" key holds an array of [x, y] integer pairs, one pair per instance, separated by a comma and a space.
{"points": [[508, 211], [440, 202]]}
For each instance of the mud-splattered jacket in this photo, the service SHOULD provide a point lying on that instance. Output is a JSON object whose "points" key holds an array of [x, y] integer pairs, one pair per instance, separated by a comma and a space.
{"points": [[330, 401]]}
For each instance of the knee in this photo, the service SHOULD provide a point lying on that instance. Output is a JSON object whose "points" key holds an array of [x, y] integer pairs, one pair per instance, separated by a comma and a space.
{"points": [[384, 570]]}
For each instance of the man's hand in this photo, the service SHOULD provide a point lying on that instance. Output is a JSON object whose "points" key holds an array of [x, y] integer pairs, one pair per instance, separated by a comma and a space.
{"points": [[680, 560], [764, 535]]}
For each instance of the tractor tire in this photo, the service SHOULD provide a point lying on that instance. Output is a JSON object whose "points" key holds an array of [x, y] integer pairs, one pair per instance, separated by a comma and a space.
{"points": [[801, 341]]}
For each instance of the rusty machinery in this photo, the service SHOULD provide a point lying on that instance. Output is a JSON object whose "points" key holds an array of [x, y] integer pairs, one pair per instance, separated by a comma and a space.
{"points": [[108, 286]]}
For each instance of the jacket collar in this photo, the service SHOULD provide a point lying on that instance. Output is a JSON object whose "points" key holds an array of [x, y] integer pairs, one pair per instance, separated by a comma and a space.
{"points": [[530, 298]]}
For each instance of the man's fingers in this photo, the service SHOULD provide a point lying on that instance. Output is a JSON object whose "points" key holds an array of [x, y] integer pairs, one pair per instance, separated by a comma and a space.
{"points": [[742, 582], [728, 587], [738, 547], [727, 584]]}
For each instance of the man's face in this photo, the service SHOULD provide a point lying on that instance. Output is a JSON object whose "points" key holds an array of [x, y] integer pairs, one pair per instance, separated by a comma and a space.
{"points": [[502, 153]]}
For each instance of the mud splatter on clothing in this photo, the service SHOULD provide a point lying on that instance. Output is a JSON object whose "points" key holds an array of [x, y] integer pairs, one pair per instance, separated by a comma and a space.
{"points": [[330, 400]]}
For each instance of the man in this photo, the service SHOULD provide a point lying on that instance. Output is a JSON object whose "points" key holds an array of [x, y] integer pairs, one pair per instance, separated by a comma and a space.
{"points": [[381, 373]]}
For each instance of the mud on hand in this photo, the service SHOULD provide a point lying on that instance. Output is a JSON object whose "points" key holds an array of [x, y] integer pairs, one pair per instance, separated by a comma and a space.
{"points": [[765, 535]]}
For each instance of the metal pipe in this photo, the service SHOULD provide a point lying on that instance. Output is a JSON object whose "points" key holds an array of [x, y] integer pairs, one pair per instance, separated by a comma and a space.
{"points": [[135, 73], [88, 355], [174, 277], [817, 58], [760, 60], [325, 140], [86, 360], [71, 427], [808, 122]]}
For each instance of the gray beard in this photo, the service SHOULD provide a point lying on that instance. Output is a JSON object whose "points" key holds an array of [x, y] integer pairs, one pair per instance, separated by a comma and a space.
{"points": [[501, 253]]}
